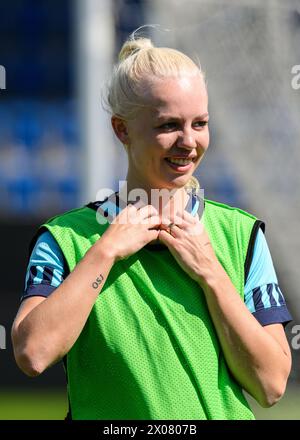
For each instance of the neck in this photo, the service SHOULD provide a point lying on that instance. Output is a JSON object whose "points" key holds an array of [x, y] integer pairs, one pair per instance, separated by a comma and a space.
{"points": [[157, 197]]}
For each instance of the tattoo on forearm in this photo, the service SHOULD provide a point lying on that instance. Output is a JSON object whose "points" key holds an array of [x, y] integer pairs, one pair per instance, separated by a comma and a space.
{"points": [[98, 281]]}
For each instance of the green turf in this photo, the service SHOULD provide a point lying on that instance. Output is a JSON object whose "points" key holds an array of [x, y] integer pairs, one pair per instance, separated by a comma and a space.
{"points": [[37, 405], [52, 405], [288, 407]]}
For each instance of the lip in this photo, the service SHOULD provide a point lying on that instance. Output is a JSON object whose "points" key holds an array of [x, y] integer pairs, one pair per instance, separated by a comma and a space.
{"points": [[180, 168], [193, 158]]}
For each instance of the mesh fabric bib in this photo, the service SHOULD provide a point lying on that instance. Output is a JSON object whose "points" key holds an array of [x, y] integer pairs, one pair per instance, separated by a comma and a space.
{"points": [[149, 349]]}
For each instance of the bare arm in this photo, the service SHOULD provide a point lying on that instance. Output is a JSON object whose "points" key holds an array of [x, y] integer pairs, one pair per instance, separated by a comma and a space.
{"points": [[258, 357], [44, 330]]}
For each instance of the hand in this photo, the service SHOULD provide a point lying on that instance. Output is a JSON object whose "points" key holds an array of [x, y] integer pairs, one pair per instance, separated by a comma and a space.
{"points": [[190, 245], [131, 230]]}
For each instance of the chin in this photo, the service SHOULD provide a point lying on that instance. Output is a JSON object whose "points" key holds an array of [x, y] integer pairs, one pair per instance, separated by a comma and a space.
{"points": [[173, 183], [170, 185], [179, 182]]}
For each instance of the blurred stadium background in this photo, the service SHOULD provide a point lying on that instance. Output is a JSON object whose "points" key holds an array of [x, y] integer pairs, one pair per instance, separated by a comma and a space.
{"points": [[57, 150]]}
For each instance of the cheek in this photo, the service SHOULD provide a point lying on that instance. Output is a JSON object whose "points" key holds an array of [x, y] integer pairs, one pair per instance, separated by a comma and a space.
{"points": [[165, 142], [205, 140]]}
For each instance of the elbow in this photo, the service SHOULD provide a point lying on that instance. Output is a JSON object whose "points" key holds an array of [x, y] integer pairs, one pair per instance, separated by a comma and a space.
{"points": [[28, 364], [271, 397], [273, 385], [272, 392], [26, 357]]}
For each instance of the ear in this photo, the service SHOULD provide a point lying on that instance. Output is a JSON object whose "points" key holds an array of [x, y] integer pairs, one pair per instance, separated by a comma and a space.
{"points": [[120, 128]]}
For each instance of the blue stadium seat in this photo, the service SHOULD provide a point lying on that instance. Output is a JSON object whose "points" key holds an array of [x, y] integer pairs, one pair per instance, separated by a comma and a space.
{"points": [[68, 190], [70, 130], [23, 194], [31, 18], [27, 128]]}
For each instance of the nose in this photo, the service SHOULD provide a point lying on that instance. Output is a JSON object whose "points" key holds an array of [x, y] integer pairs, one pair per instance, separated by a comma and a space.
{"points": [[187, 139]]}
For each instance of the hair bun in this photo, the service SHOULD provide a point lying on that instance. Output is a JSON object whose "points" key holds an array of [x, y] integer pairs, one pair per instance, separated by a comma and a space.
{"points": [[130, 47]]}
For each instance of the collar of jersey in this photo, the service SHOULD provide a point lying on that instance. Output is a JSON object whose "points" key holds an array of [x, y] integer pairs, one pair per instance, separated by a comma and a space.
{"points": [[112, 209]]}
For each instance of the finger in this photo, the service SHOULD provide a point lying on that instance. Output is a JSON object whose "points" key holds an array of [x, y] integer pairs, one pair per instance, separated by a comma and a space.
{"points": [[172, 208], [147, 211], [168, 210], [174, 231], [181, 222], [177, 220], [152, 234], [171, 229], [130, 214], [152, 222], [137, 205], [195, 229], [188, 217], [166, 238], [196, 216]]}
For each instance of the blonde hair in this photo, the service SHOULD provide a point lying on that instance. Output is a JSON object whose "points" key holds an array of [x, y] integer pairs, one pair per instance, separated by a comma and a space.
{"points": [[140, 63], [193, 183]]}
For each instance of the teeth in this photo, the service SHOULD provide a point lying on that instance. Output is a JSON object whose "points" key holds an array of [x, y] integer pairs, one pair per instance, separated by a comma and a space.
{"points": [[179, 161]]}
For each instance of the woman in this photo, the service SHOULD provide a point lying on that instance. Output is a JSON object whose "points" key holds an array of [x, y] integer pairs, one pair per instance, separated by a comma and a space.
{"points": [[174, 331]]}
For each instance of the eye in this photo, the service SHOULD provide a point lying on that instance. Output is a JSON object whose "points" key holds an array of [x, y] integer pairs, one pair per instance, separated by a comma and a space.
{"points": [[168, 126], [200, 123]]}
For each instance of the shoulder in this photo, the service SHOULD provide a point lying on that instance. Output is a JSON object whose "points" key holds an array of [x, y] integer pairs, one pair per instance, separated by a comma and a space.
{"points": [[86, 219], [70, 215], [77, 228], [232, 217], [262, 270], [263, 296], [46, 245], [87, 210], [227, 209], [46, 267], [44, 249]]}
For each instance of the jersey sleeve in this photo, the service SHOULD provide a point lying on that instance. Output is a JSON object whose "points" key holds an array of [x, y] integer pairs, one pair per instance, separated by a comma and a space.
{"points": [[263, 296], [45, 269]]}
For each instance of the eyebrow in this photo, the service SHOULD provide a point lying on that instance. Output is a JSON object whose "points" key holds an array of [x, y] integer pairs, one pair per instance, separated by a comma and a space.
{"points": [[166, 116]]}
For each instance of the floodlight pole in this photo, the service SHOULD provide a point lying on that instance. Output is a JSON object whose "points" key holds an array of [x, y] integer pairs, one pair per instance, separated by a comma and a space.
{"points": [[94, 50]]}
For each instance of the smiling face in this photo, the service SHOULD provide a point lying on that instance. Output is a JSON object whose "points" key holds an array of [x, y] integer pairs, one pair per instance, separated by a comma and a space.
{"points": [[168, 137]]}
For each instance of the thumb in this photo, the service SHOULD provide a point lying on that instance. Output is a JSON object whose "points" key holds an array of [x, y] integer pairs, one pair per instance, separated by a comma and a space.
{"points": [[152, 234], [165, 237]]}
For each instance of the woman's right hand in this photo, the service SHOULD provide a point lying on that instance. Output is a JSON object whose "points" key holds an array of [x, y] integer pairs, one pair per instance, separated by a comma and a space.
{"points": [[131, 230]]}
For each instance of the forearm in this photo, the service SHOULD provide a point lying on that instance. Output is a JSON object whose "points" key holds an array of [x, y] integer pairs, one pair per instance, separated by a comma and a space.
{"points": [[48, 332], [255, 358]]}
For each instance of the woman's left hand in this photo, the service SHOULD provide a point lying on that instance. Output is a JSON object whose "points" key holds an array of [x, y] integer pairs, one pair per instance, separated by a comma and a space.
{"points": [[190, 245]]}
